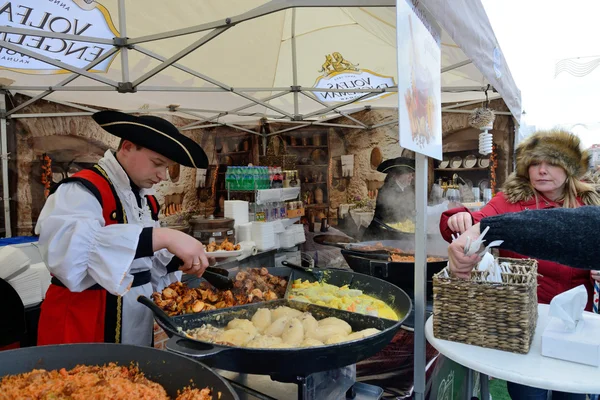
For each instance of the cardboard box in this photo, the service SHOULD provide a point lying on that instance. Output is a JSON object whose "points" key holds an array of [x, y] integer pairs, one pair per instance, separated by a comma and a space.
{"points": [[581, 346], [295, 213]]}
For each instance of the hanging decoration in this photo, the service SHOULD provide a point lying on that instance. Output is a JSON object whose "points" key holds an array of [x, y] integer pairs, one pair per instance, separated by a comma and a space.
{"points": [[483, 118], [493, 167], [46, 174]]}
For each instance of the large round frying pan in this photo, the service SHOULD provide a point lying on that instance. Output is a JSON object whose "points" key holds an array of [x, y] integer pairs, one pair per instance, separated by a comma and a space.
{"points": [[172, 371], [289, 363], [377, 264]]}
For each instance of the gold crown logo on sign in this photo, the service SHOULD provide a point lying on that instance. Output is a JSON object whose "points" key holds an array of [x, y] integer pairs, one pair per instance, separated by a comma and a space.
{"points": [[335, 62]]}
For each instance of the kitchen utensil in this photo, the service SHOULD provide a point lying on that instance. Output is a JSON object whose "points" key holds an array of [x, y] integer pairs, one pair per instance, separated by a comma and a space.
{"points": [[456, 162], [470, 161], [172, 371]]}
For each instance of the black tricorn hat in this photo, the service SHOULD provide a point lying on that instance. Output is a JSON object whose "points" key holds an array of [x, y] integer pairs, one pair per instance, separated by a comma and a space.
{"points": [[154, 133], [398, 165]]}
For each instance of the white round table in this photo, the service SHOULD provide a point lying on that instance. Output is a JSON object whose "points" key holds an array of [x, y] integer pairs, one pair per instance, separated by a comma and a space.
{"points": [[530, 369]]}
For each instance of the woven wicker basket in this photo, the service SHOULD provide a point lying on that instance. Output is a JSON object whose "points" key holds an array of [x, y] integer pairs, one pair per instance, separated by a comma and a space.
{"points": [[499, 316]]}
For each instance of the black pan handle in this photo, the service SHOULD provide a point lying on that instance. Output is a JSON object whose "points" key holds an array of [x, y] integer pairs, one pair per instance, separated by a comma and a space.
{"points": [[295, 266], [159, 313], [378, 269], [192, 349]]}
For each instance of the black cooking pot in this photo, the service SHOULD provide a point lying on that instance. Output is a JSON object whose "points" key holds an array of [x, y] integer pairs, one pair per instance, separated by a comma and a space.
{"points": [[172, 371], [401, 274]]}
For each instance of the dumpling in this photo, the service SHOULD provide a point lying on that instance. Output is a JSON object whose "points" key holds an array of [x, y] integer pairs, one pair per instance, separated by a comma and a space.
{"points": [[264, 342], [336, 322], [236, 337], [337, 338], [284, 311], [311, 343], [262, 319], [293, 333], [309, 323], [362, 334], [242, 324], [322, 333], [276, 328]]}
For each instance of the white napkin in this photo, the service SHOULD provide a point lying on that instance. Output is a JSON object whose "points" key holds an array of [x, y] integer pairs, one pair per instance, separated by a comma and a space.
{"points": [[569, 306]]}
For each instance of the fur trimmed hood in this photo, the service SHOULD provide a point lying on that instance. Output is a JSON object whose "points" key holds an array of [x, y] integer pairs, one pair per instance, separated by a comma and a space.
{"points": [[556, 147]]}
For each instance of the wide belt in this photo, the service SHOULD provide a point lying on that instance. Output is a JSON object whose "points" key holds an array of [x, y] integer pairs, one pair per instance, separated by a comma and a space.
{"points": [[139, 279]]}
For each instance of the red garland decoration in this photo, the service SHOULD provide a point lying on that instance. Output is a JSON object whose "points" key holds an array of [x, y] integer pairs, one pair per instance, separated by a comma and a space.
{"points": [[46, 174], [494, 166]]}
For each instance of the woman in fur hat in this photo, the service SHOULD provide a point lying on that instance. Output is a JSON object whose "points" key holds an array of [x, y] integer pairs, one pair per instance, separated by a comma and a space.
{"points": [[549, 168]]}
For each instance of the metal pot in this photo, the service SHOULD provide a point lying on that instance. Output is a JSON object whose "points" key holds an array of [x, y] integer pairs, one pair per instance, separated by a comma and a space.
{"points": [[172, 371], [207, 230]]}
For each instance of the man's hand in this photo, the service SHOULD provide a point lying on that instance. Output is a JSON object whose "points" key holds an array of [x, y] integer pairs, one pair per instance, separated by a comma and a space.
{"points": [[184, 246], [460, 222], [460, 264]]}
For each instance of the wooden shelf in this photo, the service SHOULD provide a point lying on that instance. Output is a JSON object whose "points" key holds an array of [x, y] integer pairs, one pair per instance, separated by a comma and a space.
{"points": [[312, 166], [313, 183], [324, 205], [463, 169]]}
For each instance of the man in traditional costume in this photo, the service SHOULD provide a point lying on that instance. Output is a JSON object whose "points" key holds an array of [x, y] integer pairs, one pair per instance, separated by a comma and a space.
{"points": [[102, 242]]}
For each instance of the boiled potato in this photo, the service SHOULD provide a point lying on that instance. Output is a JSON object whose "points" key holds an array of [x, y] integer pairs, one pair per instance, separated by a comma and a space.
{"points": [[262, 319], [363, 334], [337, 338], [309, 323], [236, 337], [264, 342], [293, 333], [333, 321], [322, 333], [242, 324], [277, 327], [284, 311], [311, 343]]}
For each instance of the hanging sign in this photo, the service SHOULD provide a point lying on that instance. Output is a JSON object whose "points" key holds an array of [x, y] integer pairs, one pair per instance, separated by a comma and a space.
{"points": [[419, 84], [72, 17], [339, 73]]}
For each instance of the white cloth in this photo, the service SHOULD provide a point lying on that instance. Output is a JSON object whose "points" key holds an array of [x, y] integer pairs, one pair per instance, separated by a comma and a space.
{"points": [[362, 218], [81, 251]]}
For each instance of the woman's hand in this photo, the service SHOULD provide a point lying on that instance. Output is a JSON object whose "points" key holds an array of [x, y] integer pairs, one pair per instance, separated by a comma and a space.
{"points": [[460, 264], [595, 275], [184, 246], [460, 222]]}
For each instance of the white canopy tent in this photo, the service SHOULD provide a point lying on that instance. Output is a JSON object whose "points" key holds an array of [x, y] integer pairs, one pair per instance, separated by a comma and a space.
{"points": [[234, 62]]}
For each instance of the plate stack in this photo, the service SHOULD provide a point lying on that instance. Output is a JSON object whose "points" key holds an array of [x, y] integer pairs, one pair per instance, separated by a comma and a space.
{"points": [[263, 234], [30, 282], [237, 210]]}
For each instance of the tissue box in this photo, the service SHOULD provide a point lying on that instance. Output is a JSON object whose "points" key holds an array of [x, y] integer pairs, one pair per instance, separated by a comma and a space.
{"points": [[581, 346]]}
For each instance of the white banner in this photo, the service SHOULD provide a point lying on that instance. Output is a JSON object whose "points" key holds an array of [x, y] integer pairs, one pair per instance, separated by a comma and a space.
{"points": [[419, 84], [338, 73], [73, 17]]}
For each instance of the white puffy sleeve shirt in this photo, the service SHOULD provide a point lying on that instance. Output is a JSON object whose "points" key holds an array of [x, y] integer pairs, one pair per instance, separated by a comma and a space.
{"points": [[81, 251]]}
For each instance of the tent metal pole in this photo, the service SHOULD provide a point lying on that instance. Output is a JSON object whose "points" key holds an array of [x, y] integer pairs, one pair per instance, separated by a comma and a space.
{"points": [[455, 66], [385, 124], [64, 82], [4, 156], [77, 106], [123, 35], [324, 110], [217, 83], [265, 9], [57, 63], [293, 128], [468, 103], [337, 111], [378, 90], [242, 129], [470, 111], [62, 88], [338, 125], [55, 35], [178, 56], [420, 274], [294, 62]]}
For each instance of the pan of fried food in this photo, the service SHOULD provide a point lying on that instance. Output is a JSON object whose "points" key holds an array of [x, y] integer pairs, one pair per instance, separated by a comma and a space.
{"points": [[250, 286], [108, 371], [282, 338]]}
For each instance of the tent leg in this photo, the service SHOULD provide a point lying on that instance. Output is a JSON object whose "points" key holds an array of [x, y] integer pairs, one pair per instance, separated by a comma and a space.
{"points": [[4, 156], [123, 35], [420, 274]]}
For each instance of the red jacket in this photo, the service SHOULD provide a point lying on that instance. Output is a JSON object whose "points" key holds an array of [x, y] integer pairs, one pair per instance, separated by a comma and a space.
{"points": [[556, 278]]}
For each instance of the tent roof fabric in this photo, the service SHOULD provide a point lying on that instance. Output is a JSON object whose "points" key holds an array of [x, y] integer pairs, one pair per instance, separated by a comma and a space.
{"points": [[230, 62]]}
